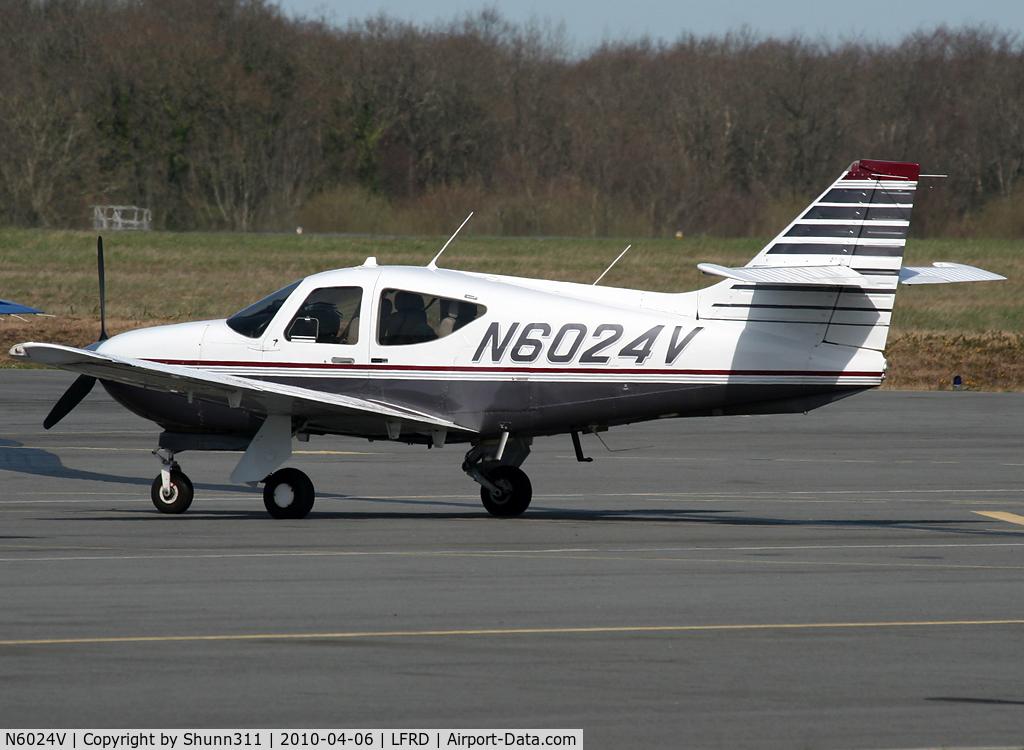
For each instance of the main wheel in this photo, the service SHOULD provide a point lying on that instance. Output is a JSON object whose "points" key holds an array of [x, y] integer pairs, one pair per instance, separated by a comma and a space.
{"points": [[515, 492], [179, 497], [288, 493]]}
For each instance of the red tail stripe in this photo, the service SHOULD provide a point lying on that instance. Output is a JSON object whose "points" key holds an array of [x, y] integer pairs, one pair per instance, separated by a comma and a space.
{"points": [[868, 169]]}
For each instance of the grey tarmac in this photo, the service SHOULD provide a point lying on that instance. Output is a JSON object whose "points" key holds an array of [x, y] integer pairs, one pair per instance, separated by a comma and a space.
{"points": [[826, 580]]}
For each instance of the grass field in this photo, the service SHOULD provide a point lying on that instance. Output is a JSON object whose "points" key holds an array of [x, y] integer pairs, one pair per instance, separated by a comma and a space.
{"points": [[972, 330]]}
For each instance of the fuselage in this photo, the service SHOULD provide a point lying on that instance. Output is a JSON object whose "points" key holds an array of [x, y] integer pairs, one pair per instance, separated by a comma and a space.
{"points": [[493, 353]]}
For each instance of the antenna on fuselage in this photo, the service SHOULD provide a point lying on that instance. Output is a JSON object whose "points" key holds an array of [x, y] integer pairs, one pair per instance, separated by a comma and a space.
{"points": [[609, 268], [433, 263]]}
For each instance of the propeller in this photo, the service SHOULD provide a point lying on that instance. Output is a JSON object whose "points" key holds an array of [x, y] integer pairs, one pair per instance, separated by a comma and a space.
{"points": [[71, 398], [103, 291], [83, 383]]}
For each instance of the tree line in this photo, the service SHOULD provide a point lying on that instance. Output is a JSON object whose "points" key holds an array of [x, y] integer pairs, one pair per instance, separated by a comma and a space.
{"points": [[227, 114]]}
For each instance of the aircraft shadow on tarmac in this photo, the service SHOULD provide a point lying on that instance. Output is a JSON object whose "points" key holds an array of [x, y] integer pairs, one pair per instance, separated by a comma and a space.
{"points": [[987, 701], [731, 518], [15, 457], [469, 511]]}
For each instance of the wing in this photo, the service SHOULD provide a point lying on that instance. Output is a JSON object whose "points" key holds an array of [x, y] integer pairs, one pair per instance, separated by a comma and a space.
{"points": [[258, 396]]}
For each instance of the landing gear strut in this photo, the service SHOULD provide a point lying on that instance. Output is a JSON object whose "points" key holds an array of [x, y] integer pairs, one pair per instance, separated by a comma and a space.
{"points": [[505, 490], [172, 490]]}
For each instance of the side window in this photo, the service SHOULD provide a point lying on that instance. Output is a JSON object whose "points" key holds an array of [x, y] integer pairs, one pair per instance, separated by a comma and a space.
{"points": [[328, 316], [412, 318]]}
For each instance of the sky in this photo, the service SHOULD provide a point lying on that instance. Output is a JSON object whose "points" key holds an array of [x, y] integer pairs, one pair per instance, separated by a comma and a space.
{"points": [[589, 22]]}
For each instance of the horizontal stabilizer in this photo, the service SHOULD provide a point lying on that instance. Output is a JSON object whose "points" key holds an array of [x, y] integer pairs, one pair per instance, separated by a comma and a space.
{"points": [[945, 273], [811, 275], [939, 273]]}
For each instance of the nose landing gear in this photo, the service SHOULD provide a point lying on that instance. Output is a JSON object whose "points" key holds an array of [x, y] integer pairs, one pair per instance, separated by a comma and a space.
{"points": [[172, 490]]}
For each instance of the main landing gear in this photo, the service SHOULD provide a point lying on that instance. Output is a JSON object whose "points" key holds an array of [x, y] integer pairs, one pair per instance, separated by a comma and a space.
{"points": [[511, 494], [287, 493], [505, 490]]}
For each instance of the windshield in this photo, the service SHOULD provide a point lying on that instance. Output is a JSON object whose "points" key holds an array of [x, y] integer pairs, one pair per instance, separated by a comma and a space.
{"points": [[253, 320]]}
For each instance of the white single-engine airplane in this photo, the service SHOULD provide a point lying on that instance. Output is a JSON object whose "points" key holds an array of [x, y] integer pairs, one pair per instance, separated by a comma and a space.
{"points": [[434, 356]]}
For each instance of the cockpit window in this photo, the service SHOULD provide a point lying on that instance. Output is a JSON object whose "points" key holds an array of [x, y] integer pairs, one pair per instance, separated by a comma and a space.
{"points": [[253, 320], [328, 316], [412, 318]]}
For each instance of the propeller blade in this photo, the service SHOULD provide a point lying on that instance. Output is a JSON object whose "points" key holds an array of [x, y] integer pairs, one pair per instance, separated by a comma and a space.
{"points": [[83, 383], [71, 398], [103, 292]]}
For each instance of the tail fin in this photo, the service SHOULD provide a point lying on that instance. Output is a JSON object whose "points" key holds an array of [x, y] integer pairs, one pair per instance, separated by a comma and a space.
{"points": [[831, 275]]}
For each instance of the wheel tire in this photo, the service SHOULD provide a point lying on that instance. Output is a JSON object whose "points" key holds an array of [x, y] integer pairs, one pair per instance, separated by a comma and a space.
{"points": [[515, 496], [180, 497], [288, 493]]}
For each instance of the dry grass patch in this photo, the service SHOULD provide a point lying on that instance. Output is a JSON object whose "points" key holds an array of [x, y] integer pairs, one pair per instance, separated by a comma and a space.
{"points": [[930, 361]]}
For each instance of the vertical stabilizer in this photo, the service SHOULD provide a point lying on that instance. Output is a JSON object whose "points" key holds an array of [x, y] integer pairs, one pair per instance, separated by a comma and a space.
{"points": [[860, 222]]}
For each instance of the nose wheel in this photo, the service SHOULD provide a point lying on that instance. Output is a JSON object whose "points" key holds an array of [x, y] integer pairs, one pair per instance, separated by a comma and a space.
{"points": [[288, 493], [176, 496]]}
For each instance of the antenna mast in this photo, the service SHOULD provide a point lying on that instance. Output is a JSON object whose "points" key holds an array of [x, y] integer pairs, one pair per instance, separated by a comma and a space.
{"points": [[609, 268], [433, 264]]}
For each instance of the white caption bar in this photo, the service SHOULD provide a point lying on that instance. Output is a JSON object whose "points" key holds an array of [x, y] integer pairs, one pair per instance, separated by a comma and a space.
{"points": [[278, 739]]}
